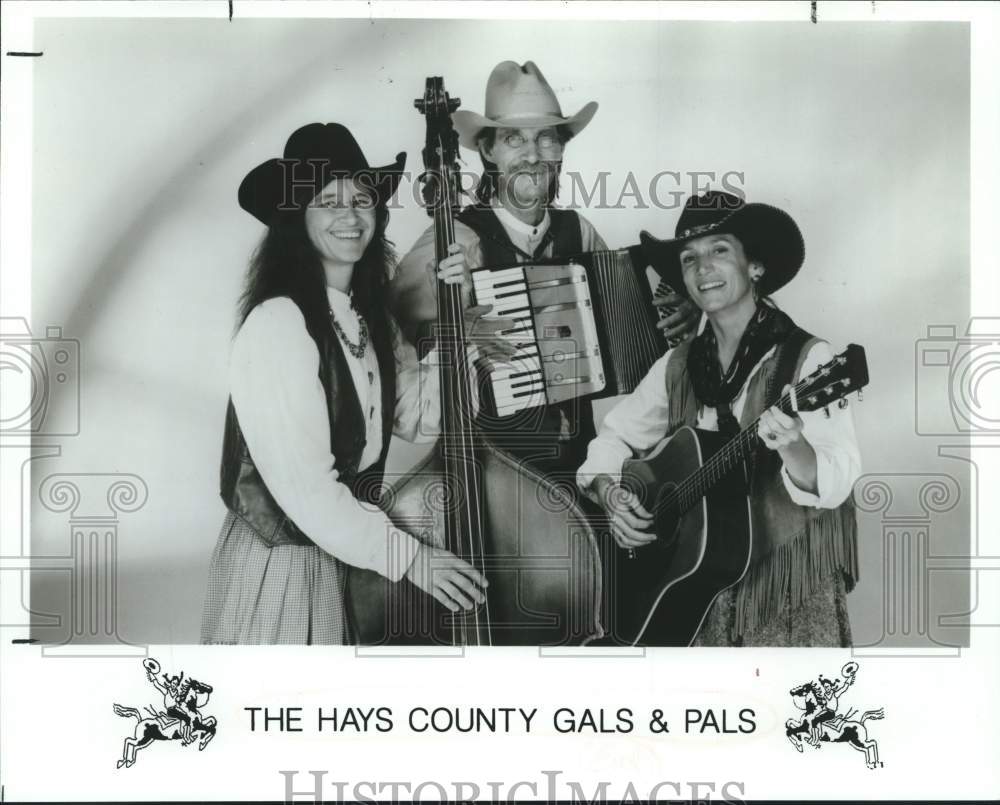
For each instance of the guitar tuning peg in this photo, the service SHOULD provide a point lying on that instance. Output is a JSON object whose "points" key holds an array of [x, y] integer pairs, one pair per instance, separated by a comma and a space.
{"points": [[842, 403], [826, 411], [861, 396]]}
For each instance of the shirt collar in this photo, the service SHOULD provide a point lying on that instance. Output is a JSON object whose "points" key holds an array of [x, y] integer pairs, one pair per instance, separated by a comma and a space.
{"points": [[516, 225], [339, 301]]}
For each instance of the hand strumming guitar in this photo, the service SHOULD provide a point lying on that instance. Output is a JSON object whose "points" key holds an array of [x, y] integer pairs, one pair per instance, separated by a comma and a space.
{"points": [[631, 524]]}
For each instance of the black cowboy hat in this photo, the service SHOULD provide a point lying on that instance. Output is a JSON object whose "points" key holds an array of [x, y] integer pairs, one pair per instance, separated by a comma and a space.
{"points": [[315, 155], [767, 234]]}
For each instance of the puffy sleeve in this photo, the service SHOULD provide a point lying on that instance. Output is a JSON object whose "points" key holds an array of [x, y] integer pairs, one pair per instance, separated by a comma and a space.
{"points": [[838, 459], [418, 396], [279, 400], [413, 290], [636, 423]]}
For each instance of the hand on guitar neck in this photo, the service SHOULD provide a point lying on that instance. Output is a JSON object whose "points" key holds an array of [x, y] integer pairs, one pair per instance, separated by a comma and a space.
{"points": [[782, 433], [631, 524]]}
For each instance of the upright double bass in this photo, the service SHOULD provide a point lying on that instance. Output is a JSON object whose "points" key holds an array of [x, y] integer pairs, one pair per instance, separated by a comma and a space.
{"points": [[526, 534]]}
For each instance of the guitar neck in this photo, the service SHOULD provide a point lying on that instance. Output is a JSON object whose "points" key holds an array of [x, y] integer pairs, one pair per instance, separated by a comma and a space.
{"points": [[730, 456]]}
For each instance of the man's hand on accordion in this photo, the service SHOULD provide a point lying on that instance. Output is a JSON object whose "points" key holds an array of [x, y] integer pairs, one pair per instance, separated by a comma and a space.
{"points": [[678, 316], [484, 332]]}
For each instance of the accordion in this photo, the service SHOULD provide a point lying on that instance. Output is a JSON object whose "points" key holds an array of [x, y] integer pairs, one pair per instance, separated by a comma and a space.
{"points": [[585, 326]]}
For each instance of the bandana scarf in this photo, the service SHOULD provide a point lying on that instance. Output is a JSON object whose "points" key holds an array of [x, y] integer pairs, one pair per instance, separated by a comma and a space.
{"points": [[768, 327]]}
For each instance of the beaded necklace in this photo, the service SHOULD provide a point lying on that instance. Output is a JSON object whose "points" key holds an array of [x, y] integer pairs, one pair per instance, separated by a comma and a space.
{"points": [[357, 350]]}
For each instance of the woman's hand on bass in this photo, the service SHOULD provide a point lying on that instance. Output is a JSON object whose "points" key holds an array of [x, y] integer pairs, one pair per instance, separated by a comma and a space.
{"points": [[452, 581], [631, 524]]}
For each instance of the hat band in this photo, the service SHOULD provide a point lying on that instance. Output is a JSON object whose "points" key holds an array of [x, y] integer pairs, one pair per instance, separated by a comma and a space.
{"points": [[520, 117], [697, 230]]}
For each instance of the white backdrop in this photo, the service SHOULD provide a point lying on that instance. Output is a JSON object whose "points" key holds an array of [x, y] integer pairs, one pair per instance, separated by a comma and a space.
{"points": [[143, 130]]}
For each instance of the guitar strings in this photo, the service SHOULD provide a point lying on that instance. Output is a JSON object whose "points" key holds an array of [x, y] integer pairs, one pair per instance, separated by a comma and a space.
{"points": [[721, 462], [694, 487]]}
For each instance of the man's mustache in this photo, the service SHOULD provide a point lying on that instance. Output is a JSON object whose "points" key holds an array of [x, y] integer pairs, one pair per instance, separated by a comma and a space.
{"points": [[542, 166]]}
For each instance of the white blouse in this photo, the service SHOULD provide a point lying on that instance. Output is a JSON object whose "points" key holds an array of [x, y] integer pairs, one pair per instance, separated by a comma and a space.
{"points": [[639, 422], [279, 400]]}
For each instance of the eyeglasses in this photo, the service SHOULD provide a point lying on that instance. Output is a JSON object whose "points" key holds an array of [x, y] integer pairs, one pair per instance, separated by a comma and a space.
{"points": [[546, 141]]}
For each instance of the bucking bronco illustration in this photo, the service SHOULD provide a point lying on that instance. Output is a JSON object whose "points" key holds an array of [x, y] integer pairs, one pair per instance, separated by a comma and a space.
{"points": [[180, 718], [822, 723]]}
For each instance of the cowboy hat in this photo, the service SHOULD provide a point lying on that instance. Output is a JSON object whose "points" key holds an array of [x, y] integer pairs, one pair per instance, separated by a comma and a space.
{"points": [[518, 96], [314, 155], [767, 234]]}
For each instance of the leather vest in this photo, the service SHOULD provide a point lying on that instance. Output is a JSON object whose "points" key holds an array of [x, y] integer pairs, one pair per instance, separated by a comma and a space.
{"points": [[795, 548], [243, 490], [553, 439]]}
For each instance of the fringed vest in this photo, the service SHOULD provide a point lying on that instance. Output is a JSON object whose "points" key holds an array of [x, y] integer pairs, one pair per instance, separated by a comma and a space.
{"points": [[240, 484], [795, 548]]}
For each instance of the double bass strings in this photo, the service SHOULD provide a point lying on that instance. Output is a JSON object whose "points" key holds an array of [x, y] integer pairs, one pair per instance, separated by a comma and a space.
{"points": [[461, 406]]}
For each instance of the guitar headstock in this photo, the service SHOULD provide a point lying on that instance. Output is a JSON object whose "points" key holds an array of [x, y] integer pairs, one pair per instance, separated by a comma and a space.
{"points": [[834, 380]]}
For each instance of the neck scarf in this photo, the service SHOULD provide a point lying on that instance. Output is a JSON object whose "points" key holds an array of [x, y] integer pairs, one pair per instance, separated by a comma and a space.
{"points": [[768, 327]]}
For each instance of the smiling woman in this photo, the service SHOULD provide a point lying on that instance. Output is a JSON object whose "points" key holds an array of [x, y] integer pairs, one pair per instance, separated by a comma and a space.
{"points": [[727, 256], [340, 223], [316, 392]]}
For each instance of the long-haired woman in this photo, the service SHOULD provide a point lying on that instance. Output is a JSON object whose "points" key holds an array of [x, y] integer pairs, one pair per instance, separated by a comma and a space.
{"points": [[316, 392]]}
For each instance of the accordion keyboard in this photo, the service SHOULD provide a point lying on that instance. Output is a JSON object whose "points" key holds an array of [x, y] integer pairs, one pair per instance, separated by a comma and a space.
{"points": [[559, 355]]}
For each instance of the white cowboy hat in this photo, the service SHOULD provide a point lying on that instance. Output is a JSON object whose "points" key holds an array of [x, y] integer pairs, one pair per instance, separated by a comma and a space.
{"points": [[518, 97]]}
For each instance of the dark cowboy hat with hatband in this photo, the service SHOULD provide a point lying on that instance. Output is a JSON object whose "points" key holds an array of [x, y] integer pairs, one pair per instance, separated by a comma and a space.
{"points": [[315, 155], [518, 96], [767, 234]]}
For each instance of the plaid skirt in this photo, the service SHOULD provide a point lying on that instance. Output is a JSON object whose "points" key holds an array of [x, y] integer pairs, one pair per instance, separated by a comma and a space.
{"points": [[286, 594]]}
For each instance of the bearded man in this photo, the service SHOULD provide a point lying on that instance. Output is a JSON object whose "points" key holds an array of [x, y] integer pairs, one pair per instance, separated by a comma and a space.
{"points": [[521, 139]]}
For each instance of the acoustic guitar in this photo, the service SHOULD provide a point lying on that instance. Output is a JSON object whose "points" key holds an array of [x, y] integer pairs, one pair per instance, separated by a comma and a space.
{"points": [[694, 483]]}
